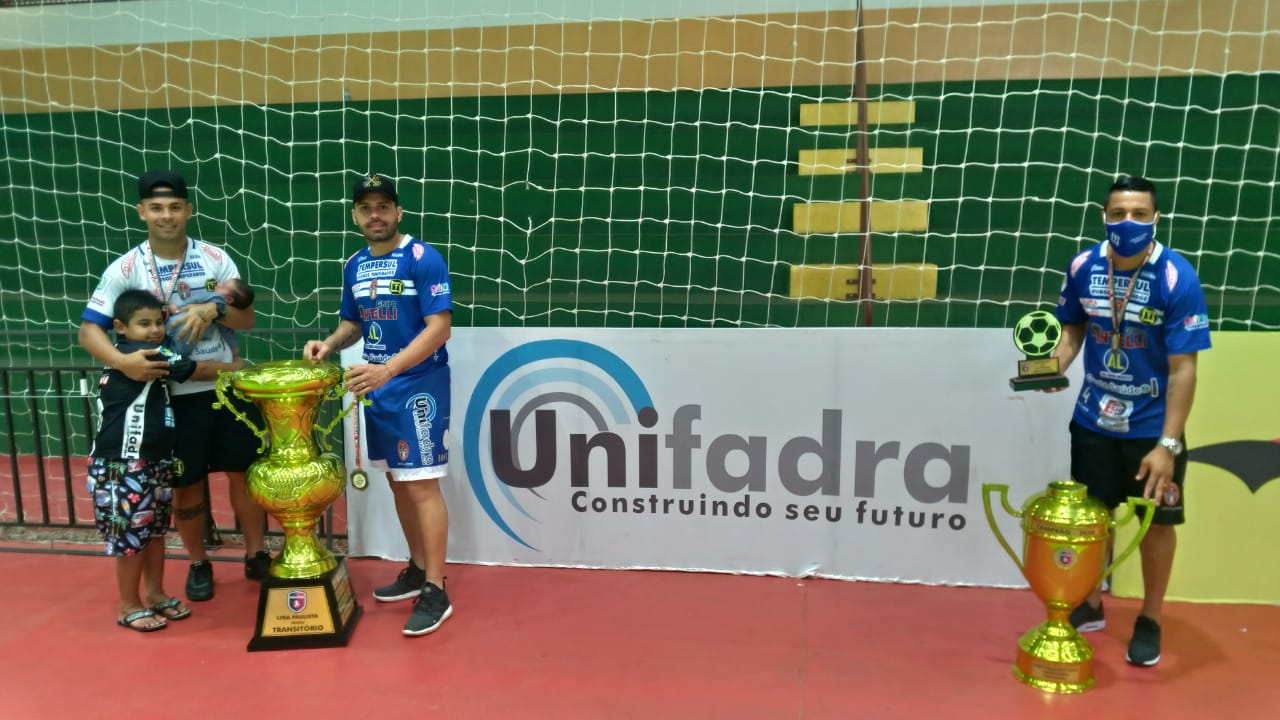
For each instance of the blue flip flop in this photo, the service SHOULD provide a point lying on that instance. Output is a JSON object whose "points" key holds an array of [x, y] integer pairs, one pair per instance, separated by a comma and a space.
{"points": [[164, 607], [128, 621]]}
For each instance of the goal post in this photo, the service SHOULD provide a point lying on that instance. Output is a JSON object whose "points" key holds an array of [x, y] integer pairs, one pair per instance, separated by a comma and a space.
{"points": [[592, 163]]}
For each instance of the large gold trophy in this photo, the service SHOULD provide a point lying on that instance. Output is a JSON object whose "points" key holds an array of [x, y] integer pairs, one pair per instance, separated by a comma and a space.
{"points": [[1064, 549], [307, 601]]}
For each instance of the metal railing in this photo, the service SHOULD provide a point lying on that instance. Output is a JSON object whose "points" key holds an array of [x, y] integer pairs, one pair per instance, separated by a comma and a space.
{"points": [[47, 431]]}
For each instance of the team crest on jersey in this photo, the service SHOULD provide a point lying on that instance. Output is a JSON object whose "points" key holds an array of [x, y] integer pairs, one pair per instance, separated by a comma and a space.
{"points": [[297, 600], [417, 252], [396, 287], [1173, 495], [184, 290], [402, 449], [1170, 275], [373, 289]]}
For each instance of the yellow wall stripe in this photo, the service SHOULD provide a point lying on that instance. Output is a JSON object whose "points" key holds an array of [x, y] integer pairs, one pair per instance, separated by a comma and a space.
{"points": [[840, 161], [1135, 38], [889, 281], [846, 216], [878, 113]]}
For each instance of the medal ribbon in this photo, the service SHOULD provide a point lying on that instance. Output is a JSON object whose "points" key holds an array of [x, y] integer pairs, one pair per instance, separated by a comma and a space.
{"points": [[355, 427], [1117, 309], [154, 267]]}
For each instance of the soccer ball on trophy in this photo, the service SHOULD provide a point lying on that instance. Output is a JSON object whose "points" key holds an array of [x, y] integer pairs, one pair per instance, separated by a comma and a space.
{"points": [[1037, 333]]}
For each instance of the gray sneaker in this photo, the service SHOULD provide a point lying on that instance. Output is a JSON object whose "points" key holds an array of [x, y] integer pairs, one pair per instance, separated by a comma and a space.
{"points": [[430, 610], [408, 584]]}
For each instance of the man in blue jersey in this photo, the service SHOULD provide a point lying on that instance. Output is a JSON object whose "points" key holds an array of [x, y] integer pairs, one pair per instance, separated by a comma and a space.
{"points": [[396, 296], [1136, 309]]}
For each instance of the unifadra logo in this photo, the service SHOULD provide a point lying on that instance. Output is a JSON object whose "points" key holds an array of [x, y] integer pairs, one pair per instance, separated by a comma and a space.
{"points": [[624, 464], [531, 376]]}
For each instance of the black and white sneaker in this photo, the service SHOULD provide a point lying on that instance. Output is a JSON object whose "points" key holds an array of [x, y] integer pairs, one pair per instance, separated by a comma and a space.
{"points": [[1087, 618], [430, 610], [1144, 647], [408, 584]]}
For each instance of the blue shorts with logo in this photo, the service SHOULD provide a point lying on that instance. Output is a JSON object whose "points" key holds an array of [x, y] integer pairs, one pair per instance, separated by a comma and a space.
{"points": [[408, 420]]}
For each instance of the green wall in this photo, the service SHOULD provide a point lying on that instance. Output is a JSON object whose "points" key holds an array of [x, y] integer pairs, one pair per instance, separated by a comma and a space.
{"points": [[651, 209]]}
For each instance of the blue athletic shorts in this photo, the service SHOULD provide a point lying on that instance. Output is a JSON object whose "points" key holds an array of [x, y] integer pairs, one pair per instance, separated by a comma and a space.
{"points": [[407, 424]]}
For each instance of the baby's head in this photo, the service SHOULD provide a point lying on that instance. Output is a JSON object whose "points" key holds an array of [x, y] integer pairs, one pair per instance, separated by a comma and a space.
{"points": [[139, 316], [237, 292]]}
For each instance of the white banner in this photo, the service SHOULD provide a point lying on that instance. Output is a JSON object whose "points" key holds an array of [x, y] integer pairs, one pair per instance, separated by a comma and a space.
{"points": [[832, 453]]}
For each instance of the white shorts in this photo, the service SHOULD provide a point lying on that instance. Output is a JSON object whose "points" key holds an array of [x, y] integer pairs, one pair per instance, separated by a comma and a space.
{"points": [[407, 474]]}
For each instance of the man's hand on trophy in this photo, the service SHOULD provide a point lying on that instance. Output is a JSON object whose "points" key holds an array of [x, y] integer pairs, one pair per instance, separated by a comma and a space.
{"points": [[316, 350], [1157, 472]]}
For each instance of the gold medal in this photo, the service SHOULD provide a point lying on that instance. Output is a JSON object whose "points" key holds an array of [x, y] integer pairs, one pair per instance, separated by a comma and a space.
{"points": [[359, 478]]}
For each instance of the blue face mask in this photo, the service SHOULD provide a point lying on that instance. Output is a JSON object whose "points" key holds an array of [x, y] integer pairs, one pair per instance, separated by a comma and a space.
{"points": [[1130, 237]]}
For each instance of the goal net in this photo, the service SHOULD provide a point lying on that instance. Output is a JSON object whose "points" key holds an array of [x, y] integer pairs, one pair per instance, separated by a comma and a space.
{"points": [[640, 164]]}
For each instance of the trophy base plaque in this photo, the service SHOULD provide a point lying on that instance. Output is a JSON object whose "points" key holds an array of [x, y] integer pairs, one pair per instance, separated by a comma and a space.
{"points": [[1038, 374], [1055, 658], [298, 613]]}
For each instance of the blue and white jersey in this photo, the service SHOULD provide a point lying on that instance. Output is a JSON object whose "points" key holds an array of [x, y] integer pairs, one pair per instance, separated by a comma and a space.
{"points": [[391, 295], [202, 267], [1125, 389]]}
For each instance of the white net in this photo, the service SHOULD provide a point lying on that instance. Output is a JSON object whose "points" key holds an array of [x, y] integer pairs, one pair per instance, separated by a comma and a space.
{"points": [[633, 163]]}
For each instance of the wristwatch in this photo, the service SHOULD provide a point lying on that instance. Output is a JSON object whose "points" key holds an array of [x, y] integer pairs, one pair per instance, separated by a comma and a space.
{"points": [[1173, 445]]}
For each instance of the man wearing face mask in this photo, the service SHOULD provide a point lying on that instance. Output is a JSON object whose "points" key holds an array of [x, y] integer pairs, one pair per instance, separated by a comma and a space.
{"points": [[1136, 309]]}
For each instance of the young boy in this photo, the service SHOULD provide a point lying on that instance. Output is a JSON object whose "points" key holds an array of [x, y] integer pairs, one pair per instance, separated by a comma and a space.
{"points": [[131, 464], [234, 293]]}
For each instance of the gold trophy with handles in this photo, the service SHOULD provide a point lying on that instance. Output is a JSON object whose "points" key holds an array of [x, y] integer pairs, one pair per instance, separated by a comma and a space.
{"points": [[1064, 549], [307, 601]]}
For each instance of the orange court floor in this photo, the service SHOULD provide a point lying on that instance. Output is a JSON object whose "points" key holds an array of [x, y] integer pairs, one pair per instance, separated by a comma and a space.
{"points": [[558, 643]]}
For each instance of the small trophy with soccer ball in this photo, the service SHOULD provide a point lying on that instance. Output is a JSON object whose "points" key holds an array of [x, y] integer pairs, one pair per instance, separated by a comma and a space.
{"points": [[1036, 334]]}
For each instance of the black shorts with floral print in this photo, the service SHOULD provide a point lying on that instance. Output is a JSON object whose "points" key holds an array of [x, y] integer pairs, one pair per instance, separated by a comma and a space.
{"points": [[132, 501]]}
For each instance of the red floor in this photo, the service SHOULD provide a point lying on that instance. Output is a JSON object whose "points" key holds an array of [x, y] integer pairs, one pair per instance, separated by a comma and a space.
{"points": [[545, 643]]}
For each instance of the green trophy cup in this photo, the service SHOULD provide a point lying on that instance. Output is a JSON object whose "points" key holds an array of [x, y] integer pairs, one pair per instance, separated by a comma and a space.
{"points": [[1064, 548], [1036, 334], [307, 602]]}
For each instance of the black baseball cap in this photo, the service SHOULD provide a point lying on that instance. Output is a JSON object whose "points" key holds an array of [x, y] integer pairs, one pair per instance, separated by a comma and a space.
{"points": [[374, 182], [152, 179]]}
